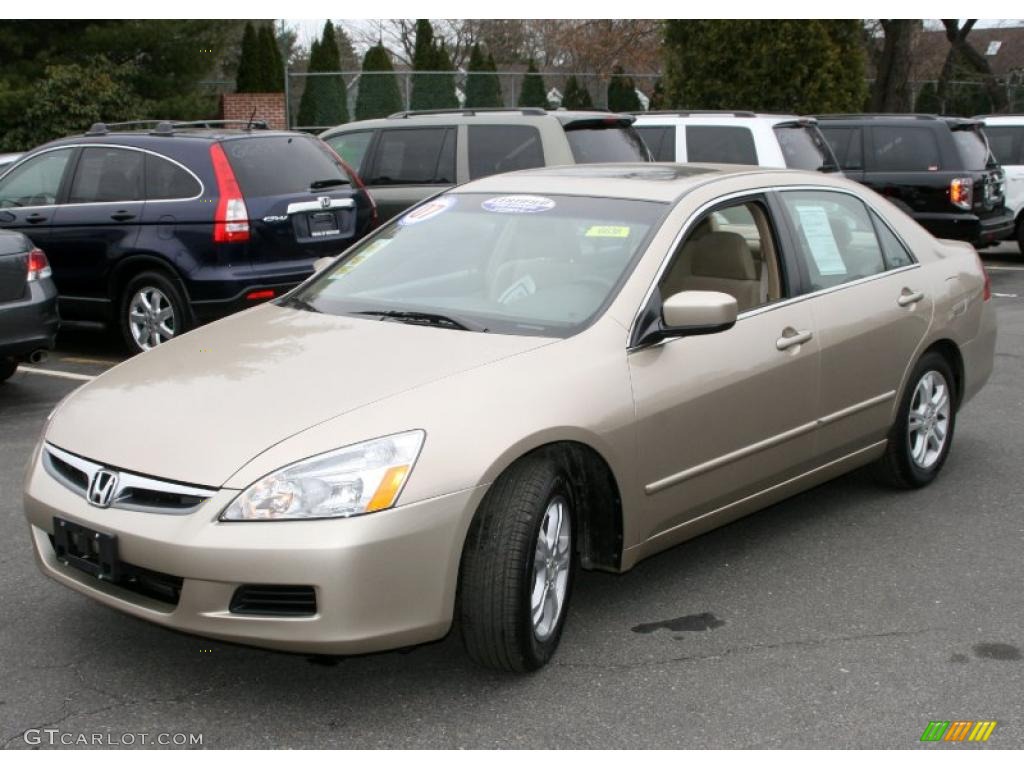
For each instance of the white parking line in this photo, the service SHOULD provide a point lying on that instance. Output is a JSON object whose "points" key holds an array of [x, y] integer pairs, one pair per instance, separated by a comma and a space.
{"points": [[58, 374]]}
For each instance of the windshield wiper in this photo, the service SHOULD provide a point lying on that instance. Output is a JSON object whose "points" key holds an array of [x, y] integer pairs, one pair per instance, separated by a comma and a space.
{"points": [[422, 318], [324, 183]]}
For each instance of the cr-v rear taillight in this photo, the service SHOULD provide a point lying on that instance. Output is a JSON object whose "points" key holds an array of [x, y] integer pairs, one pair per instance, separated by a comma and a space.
{"points": [[38, 265], [961, 193], [231, 221]]}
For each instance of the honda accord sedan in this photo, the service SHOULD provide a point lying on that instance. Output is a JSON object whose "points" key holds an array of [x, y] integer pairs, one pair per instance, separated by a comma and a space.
{"points": [[530, 374]]}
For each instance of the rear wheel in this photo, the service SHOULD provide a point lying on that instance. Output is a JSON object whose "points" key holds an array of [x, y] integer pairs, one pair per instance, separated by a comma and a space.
{"points": [[151, 311], [517, 568], [8, 365], [920, 438]]}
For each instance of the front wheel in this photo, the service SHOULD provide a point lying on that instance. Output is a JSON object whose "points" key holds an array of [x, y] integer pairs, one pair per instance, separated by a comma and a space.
{"points": [[517, 568], [151, 311], [920, 438]]}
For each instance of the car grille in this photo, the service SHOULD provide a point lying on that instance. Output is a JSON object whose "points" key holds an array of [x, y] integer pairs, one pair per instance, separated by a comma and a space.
{"points": [[274, 600], [138, 493]]}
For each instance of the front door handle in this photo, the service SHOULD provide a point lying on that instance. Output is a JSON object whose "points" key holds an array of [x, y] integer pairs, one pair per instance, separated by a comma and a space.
{"points": [[35, 218], [791, 337], [122, 216], [908, 297]]}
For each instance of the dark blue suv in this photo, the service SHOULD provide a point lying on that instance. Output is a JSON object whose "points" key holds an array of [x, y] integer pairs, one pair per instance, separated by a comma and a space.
{"points": [[158, 228]]}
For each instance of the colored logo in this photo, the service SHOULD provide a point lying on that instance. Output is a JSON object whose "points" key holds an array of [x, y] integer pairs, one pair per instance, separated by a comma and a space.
{"points": [[958, 730], [518, 204], [428, 210]]}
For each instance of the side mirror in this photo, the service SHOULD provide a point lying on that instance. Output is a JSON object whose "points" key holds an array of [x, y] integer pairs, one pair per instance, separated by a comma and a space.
{"points": [[690, 313], [322, 263]]}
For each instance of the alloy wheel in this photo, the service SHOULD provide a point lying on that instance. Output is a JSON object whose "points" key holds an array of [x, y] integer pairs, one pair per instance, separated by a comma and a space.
{"points": [[928, 420], [151, 317], [552, 557]]}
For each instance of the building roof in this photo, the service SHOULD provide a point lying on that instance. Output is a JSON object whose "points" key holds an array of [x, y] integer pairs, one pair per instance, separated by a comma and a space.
{"points": [[1002, 47]]}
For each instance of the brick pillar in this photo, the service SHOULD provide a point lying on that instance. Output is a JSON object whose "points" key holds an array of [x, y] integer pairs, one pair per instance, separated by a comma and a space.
{"points": [[268, 107]]}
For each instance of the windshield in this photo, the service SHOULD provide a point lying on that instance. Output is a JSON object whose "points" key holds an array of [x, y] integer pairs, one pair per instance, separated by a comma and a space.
{"points": [[804, 148], [973, 149], [516, 264], [606, 144]]}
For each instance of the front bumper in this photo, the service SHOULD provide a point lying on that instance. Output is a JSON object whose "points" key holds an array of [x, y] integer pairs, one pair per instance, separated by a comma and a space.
{"points": [[382, 581], [30, 323]]}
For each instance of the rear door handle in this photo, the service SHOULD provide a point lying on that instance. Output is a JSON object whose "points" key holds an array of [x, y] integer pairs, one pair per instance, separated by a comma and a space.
{"points": [[791, 337], [122, 216], [35, 218], [908, 297]]}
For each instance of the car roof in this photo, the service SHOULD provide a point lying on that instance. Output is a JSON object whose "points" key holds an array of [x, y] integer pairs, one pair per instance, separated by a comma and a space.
{"points": [[148, 140], [480, 115], [1015, 119], [899, 119], [660, 182], [669, 117]]}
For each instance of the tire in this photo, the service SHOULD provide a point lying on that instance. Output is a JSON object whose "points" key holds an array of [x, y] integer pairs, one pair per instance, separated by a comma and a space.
{"points": [[914, 459], [498, 582], [143, 328], [8, 365]]}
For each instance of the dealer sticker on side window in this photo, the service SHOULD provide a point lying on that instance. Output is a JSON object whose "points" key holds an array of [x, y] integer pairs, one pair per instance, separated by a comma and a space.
{"points": [[518, 204]]}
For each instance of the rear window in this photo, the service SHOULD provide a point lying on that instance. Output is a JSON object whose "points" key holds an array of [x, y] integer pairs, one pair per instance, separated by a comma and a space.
{"points": [[972, 148], [720, 144], [905, 148], [612, 144], [846, 146], [1007, 143], [500, 148], [660, 140], [803, 148], [280, 165]]}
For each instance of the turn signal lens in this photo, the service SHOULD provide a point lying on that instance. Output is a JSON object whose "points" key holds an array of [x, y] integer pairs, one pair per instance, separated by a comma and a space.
{"points": [[961, 193], [388, 489]]}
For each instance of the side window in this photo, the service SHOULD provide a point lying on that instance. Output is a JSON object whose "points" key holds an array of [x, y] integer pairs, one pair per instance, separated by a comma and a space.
{"points": [[661, 140], [351, 147], [1007, 143], [720, 144], [846, 144], [835, 237], [414, 156], [36, 181], [904, 148], [731, 250], [167, 181], [895, 253], [500, 148], [107, 175]]}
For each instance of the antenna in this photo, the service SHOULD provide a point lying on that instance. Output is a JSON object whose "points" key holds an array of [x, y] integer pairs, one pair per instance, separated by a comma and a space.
{"points": [[252, 117]]}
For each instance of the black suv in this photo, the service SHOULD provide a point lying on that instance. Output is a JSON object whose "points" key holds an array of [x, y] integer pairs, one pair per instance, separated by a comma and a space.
{"points": [[160, 227], [938, 169]]}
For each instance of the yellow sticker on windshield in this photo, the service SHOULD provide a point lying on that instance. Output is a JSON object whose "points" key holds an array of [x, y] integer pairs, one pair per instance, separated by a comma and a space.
{"points": [[607, 231]]}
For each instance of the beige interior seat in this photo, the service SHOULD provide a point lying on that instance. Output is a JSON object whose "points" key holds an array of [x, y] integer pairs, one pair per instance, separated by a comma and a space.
{"points": [[718, 261]]}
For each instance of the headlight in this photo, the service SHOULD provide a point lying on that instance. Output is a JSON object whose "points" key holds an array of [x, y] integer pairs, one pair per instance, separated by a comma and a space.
{"points": [[361, 478]]}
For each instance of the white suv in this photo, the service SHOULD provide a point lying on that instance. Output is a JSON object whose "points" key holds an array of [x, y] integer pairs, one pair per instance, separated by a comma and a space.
{"points": [[1006, 139], [747, 138]]}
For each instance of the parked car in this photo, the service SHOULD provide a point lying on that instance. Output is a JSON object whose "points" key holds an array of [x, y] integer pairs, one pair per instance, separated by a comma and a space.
{"points": [[555, 369], [745, 138], [938, 170], [410, 156], [160, 226], [28, 303], [1005, 135], [7, 159]]}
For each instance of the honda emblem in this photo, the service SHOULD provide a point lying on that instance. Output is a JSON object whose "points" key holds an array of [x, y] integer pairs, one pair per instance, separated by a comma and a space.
{"points": [[325, 202], [102, 488]]}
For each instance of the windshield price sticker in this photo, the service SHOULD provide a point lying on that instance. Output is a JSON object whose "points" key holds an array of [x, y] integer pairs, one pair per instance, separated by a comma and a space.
{"points": [[518, 204], [607, 231], [428, 211]]}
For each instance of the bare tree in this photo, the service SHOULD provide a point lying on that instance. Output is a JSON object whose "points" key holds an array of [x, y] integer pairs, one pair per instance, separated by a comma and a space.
{"points": [[891, 91], [963, 51]]}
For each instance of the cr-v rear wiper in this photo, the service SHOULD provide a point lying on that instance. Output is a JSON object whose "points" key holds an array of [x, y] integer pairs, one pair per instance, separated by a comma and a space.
{"points": [[423, 318], [324, 183]]}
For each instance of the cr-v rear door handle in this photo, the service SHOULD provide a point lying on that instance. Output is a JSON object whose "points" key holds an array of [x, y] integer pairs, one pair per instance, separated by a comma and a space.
{"points": [[791, 337], [35, 218], [122, 216], [908, 297]]}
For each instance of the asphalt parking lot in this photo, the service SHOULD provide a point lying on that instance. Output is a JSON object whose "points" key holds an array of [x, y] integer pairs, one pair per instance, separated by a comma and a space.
{"points": [[850, 616]]}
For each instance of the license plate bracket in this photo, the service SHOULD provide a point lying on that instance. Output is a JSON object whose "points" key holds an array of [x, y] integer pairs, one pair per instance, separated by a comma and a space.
{"points": [[87, 550]]}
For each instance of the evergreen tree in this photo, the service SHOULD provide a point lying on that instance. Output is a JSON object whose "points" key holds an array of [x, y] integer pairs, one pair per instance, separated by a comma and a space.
{"points": [[576, 96], [248, 79], [622, 92], [308, 108], [379, 94], [423, 59], [476, 74], [444, 85], [332, 105], [533, 93], [928, 100], [492, 96], [271, 60]]}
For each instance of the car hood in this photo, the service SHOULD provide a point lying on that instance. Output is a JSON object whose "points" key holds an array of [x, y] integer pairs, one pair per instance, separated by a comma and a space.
{"points": [[199, 407]]}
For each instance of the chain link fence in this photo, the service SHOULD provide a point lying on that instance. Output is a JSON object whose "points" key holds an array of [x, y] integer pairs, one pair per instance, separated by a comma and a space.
{"points": [[511, 84]]}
